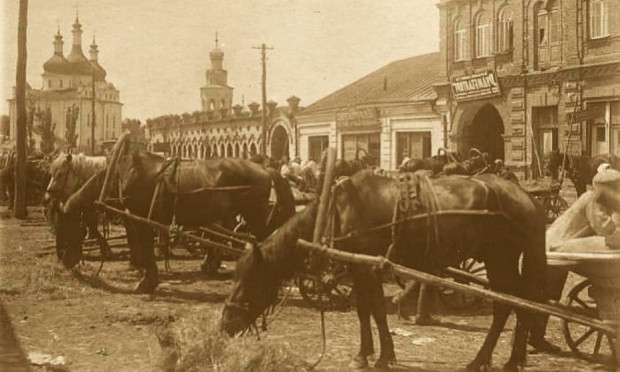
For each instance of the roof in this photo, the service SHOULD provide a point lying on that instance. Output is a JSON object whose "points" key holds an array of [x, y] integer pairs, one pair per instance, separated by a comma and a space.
{"points": [[406, 80], [75, 64]]}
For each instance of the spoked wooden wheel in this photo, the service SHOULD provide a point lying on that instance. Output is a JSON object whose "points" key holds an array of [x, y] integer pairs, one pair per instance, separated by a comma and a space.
{"points": [[554, 205], [459, 300], [586, 342], [328, 288]]}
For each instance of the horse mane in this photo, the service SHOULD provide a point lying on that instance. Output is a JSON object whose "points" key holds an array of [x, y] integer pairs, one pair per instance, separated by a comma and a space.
{"points": [[83, 165], [279, 250]]}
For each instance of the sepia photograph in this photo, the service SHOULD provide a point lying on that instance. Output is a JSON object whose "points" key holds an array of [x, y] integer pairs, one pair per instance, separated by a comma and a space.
{"points": [[310, 185]]}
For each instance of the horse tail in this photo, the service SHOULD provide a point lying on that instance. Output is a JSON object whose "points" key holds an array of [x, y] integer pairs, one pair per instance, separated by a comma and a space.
{"points": [[285, 204]]}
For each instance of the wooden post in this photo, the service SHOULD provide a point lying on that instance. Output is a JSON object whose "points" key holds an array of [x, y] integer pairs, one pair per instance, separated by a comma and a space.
{"points": [[408, 273], [19, 202], [321, 218]]}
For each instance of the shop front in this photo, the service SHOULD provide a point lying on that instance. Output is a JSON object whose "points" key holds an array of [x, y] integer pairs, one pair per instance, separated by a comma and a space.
{"points": [[360, 134]]}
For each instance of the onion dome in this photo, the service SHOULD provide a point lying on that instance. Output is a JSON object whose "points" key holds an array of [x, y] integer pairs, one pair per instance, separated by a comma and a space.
{"points": [[100, 73], [57, 64]]}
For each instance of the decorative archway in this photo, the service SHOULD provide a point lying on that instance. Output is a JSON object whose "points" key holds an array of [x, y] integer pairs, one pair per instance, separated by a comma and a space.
{"points": [[222, 152], [253, 149], [237, 151], [244, 153], [484, 132], [229, 151], [279, 142]]}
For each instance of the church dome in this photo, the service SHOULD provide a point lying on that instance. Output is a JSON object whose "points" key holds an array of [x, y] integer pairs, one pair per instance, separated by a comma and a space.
{"points": [[56, 65]]}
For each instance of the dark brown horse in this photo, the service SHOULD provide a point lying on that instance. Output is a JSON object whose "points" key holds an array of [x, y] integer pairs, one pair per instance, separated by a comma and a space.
{"points": [[580, 169], [515, 226], [435, 163], [192, 194]]}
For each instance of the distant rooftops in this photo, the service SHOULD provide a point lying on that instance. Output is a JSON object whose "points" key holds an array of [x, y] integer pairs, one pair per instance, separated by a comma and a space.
{"points": [[406, 80]]}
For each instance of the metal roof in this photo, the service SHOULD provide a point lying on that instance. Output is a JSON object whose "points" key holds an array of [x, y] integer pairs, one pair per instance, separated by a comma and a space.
{"points": [[406, 80]]}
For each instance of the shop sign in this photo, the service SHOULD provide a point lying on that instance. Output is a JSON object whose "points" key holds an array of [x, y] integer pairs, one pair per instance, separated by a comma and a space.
{"points": [[585, 115], [480, 85], [360, 119]]}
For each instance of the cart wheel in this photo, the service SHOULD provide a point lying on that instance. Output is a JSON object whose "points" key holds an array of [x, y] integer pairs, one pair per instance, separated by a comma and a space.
{"points": [[584, 341], [212, 262], [334, 283], [458, 300], [554, 205]]}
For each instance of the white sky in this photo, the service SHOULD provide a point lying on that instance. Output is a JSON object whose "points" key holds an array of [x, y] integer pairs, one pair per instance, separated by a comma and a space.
{"points": [[156, 51]]}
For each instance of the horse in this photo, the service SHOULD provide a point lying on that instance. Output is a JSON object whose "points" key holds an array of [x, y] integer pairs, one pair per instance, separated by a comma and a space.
{"points": [[191, 194], [364, 201], [68, 173], [36, 180], [580, 169]]}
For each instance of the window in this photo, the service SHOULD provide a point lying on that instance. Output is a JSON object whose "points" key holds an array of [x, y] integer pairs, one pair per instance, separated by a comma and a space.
{"points": [[504, 31], [414, 145], [360, 145], [316, 146], [547, 29], [598, 19], [483, 35], [460, 38]]}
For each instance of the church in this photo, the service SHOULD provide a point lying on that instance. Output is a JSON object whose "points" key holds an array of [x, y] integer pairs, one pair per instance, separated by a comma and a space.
{"points": [[66, 95], [224, 129]]}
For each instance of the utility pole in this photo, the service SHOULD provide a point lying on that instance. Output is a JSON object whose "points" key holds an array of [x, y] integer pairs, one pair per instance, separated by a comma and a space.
{"points": [[19, 203], [92, 127], [263, 48]]}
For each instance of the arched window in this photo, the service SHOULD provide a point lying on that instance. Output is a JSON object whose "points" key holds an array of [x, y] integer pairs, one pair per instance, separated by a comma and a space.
{"points": [[212, 105], [253, 150], [504, 30], [483, 35], [229, 151], [237, 151], [222, 151], [598, 19], [245, 154], [460, 41]]}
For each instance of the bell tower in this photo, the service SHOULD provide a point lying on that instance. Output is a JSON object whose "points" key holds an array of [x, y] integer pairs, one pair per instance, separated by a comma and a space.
{"points": [[216, 95]]}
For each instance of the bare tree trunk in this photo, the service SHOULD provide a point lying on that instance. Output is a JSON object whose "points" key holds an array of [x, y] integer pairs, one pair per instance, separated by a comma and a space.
{"points": [[19, 206]]}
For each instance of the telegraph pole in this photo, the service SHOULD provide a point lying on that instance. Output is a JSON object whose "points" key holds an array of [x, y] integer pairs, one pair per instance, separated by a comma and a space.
{"points": [[263, 48], [92, 127], [19, 203]]}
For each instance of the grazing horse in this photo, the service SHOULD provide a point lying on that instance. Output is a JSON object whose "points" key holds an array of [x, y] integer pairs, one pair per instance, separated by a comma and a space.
{"points": [[515, 225], [192, 194], [68, 173], [580, 169]]}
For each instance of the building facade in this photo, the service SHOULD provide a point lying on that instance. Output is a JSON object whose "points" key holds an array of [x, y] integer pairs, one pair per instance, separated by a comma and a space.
{"points": [[222, 129], [390, 114], [67, 92], [526, 77]]}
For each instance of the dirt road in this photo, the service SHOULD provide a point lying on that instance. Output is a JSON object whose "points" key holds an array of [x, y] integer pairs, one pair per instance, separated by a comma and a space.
{"points": [[98, 324]]}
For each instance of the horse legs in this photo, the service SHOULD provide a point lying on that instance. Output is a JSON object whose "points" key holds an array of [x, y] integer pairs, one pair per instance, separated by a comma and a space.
{"points": [[151, 277], [136, 261], [91, 220], [387, 354], [505, 280], [363, 303]]}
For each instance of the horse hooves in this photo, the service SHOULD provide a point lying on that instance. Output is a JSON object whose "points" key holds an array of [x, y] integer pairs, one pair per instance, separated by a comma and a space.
{"points": [[359, 362], [513, 366], [145, 287], [478, 366], [384, 363]]}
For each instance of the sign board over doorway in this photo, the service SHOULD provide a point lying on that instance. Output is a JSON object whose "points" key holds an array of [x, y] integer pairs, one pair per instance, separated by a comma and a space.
{"points": [[475, 86], [360, 119]]}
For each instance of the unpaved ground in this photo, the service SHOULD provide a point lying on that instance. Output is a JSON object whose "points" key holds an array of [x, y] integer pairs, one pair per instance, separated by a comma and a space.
{"points": [[98, 324]]}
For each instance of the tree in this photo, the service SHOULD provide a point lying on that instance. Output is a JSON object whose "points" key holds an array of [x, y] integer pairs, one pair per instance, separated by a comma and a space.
{"points": [[71, 136], [46, 130], [19, 205]]}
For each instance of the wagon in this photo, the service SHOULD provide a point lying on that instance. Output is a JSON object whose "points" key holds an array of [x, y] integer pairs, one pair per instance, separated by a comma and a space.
{"points": [[597, 296], [548, 194]]}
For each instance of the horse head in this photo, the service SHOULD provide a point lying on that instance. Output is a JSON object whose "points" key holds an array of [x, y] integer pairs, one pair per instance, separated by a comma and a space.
{"points": [[64, 180], [254, 291]]}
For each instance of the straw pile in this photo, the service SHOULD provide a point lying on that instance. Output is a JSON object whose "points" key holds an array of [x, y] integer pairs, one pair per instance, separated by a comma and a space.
{"points": [[196, 344]]}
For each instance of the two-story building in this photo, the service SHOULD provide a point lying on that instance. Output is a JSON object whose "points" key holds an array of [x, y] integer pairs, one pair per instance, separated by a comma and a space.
{"points": [[518, 73]]}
